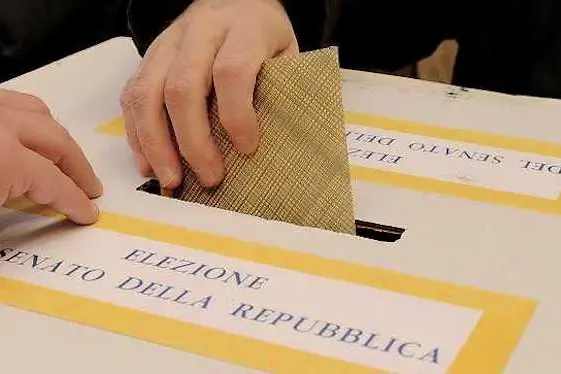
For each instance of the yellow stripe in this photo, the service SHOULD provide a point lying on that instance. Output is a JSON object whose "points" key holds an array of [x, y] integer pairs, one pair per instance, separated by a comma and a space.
{"points": [[116, 127], [168, 332], [489, 347], [462, 135], [395, 179], [458, 190]]}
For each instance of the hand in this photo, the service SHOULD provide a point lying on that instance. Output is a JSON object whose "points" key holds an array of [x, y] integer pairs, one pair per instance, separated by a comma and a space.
{"points": [[41, 161], [215, 42]]}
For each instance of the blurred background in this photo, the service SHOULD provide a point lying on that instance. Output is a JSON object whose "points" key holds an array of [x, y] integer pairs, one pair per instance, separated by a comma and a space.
{"points": [[34, 33], [438, 67]]}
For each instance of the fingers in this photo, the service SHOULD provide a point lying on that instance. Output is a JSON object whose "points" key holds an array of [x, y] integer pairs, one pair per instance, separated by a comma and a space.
{"points": [[234, 73], [46, 184], [23, 101], [142, 164], [45, 136], [186, 92], [224, 42], [147, 127]]}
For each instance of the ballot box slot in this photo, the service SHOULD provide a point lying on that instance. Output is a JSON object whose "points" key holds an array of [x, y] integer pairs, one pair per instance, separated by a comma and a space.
{"points": [[364, 229], [379, 232], [152, 187]]}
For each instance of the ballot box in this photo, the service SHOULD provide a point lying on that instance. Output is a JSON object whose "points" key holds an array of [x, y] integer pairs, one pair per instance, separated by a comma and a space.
{"points": [[453, 268]]}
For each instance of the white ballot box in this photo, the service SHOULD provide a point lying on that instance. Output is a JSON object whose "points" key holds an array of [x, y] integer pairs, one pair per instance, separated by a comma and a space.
{"points": [[466, 183]]}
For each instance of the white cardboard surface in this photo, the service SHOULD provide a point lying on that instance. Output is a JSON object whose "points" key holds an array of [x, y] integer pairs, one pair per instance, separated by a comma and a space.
{"points": [[492, 247]]}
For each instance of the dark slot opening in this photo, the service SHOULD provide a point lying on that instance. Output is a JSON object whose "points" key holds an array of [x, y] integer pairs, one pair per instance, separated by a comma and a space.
{"points": [[364, 229], [379, 232], [151, 187]]}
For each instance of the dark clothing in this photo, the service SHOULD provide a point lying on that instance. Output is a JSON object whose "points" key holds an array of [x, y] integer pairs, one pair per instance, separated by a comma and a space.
{"points": [[36, 32], [510, 46]]}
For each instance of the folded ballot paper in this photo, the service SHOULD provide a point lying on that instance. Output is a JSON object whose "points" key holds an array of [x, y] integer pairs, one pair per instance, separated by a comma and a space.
{"points": [[261, 275], [300, 172]]}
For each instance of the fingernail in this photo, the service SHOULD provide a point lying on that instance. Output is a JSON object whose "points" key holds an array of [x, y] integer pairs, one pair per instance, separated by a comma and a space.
{"points": [[168, 178], [99, 187], [96, 190], [95, 209]]}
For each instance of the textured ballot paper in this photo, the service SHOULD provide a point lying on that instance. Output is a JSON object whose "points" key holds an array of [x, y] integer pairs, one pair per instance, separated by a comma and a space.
{"points": [[300, 173]]}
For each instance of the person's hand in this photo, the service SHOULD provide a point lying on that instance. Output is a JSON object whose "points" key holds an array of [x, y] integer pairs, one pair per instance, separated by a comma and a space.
{"points": [[39, 160], [220, 43]]}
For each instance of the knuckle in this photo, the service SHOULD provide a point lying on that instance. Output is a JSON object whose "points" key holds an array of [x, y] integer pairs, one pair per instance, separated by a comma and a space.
{"points": [[64, 135], [27, 101], [177, 91], [230, 68], [134, 96], [61, 136], [36, 104]]}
